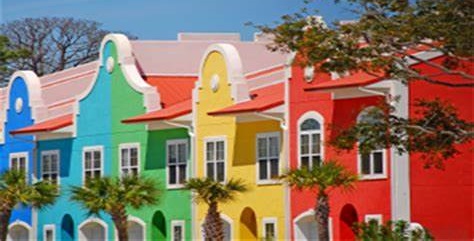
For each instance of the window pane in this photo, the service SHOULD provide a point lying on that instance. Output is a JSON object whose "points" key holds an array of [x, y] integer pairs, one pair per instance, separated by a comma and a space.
{"points": [[310, 124], [172, 174], [210, 170], [45, 163], [316, 144], [274, 146], [172, 153], [305, 161], [97, 155], [220, 150], [262, 147], [124, 157], [365, 165], [177, 233], [97, 173], [274, 168], [134, 152], [97, 163], [88, 163], [54, 163], [316, 161], [220, 171], [378, 162], [22, 164], [262, 164], [269, 231], [182, 173], [304, 142], [210, 151], [182, 153]]}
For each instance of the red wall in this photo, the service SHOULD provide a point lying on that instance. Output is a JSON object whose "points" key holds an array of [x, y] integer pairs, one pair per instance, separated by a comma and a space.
{"points": [[369, 197], [443, 200]]}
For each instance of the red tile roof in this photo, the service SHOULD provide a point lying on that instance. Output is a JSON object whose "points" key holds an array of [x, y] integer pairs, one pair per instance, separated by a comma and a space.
{"points": [[261, 99], [353, 80], [173, 111], [45, 126], [172, 89]]}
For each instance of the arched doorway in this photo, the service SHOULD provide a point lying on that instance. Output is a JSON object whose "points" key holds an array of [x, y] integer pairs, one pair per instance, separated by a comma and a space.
{"points": [[159, 226], [93, 230], [306, 227], [347, 218], [19, 231], [67, 228], [136, 229], [248, 225]]}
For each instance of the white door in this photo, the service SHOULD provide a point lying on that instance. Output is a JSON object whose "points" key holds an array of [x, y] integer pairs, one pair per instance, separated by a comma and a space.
{"points": [[92, 232], [18, 233], [307, 229]]}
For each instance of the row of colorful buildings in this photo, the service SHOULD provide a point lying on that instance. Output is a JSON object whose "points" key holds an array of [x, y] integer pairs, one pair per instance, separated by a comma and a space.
{"points": [[213, 105]]}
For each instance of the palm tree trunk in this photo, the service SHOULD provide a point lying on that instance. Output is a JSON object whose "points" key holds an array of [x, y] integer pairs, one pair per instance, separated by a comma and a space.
{"points": [[4, 220], [120, 220], [213, 228], [321, 212]]}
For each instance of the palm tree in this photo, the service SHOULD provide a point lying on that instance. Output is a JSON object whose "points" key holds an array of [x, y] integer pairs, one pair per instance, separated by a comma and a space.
{"points": [[212, 193], [321, 179], [113, 195], [15, 190]]}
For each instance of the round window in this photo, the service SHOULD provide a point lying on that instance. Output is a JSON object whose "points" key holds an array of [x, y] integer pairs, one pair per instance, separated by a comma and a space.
{"points": [[309, 73], [215, 83], [109, 65], [18, 105]]}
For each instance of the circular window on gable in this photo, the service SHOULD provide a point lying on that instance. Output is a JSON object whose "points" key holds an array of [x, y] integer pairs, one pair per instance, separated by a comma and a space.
{"points": [[18, 105], [109, 64], [309, 73], [215, 82]]}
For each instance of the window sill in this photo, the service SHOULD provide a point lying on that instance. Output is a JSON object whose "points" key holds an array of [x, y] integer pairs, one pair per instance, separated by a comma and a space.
{"points": [[373, 177], [268, 182], [174, 186]]}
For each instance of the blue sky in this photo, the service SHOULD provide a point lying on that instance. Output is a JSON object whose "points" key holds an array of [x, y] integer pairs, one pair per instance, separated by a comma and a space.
{"points": [[163, 19]]}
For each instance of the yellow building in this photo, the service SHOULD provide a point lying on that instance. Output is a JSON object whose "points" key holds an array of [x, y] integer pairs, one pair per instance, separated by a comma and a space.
{"points": [[239, 131]]}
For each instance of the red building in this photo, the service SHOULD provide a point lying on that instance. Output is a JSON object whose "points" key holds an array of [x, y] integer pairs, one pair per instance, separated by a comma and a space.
{"points": [[392, 186]]}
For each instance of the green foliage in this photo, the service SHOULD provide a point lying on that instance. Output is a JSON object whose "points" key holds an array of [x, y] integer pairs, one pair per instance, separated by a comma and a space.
{"points": [[7, 55], [15, 189], [322, 178], [211, 191], [390, 231], [114, 194]]}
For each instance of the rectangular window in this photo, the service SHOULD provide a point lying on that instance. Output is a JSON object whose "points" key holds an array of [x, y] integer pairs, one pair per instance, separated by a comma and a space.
{"points": [[50, 166], [269, 229], [49, 233], [177, 156], [19, 162], [177, 230], [93, 157], [268, 155], [376, 217], [215, 159], [129, 159], [372, 165], [310, 149]]}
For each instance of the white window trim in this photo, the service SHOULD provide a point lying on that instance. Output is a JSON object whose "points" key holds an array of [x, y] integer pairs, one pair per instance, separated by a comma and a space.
{"points": [[180, 223], [318, 117], [129, 145], [18, 155], [92, 148], [50, 152], [372, 176], [51, 227], [174, 142], [268, 220], [215, 139], [377, 217], [268, 181]]}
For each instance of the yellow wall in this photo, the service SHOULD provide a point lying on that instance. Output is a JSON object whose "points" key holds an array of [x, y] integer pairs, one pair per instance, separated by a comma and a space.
{"points": [[264, 200]]}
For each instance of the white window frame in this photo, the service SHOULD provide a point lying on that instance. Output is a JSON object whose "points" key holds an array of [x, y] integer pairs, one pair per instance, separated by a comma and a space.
{"points": [[318, 117], [215, 139], [19, 155], [372, 175], [176, 142], [377, 217], [179, 223], [49, 227], [270, 220], [129, 146], [269, 180], [52, 152], [92, 148]]}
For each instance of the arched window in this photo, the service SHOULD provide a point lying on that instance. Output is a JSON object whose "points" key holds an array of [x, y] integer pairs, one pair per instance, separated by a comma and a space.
{"points": [[372, 165], [310, 140]]}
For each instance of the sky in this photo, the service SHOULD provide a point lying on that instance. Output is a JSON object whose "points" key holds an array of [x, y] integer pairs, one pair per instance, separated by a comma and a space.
{"points": [[164, 19]]}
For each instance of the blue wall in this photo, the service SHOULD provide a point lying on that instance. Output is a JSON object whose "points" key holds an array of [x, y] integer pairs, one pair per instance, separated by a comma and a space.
{"points": [[21, 143]]}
